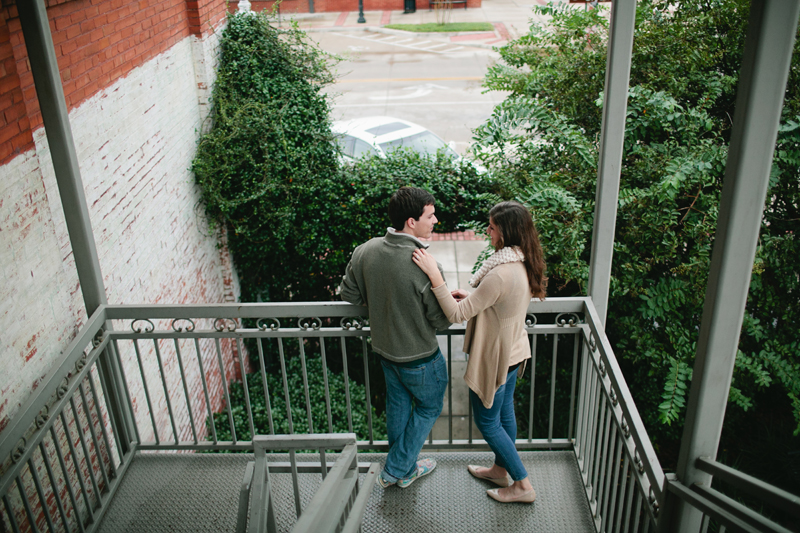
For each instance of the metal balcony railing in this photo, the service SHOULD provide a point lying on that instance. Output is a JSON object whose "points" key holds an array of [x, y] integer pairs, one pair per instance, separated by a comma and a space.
{"points": [[145, 379]]}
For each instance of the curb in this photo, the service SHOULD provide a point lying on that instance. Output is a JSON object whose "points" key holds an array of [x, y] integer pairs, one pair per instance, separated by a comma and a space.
{"points": [[443, 36]]}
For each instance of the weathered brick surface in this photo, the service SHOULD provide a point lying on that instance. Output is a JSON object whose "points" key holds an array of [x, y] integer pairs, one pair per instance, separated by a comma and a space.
{"points": [[39, 309], [135, 137], [100, 41], [204, 15], [136, 78], [15, 133]]}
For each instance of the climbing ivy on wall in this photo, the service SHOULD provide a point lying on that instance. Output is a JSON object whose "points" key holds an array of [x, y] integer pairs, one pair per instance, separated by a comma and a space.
{"points": [[269, 141]]}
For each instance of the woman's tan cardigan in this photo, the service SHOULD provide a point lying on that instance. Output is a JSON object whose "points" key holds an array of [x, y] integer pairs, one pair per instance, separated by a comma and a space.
{"points": [[495, 337]]}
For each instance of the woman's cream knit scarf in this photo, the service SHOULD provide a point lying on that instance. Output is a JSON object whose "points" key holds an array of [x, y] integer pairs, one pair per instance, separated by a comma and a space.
{"points": [[508, 254]]}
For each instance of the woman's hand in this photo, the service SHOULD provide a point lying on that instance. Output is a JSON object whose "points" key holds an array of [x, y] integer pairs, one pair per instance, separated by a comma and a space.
{"points": [[427, 264], [459, 294]]}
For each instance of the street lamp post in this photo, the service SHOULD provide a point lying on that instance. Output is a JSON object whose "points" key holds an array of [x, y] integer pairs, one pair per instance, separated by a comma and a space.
{"points": [[361, 19]]}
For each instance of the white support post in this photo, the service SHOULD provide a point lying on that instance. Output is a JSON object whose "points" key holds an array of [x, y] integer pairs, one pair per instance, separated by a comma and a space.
{"points": [[50, 93], [47, 81], [762, 81], [612, 134]]}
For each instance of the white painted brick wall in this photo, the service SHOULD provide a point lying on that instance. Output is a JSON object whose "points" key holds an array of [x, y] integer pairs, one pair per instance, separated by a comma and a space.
{"points": [[135, 141], [38, 315]]}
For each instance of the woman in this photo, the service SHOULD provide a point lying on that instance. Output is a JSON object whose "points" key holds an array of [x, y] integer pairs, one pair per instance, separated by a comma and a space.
{"points": [[495, 339]]}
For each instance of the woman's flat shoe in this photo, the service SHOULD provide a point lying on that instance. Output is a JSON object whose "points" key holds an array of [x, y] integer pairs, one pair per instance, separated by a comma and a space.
{"points": [[527, 497], [499, 481]]}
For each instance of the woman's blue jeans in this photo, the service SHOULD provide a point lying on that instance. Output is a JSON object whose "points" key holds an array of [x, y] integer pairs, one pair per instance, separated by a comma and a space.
{"points": [[499, 426], [414, 400]]}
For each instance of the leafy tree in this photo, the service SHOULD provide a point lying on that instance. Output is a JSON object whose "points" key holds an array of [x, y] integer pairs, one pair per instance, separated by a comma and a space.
{"points": [[542, 145]]}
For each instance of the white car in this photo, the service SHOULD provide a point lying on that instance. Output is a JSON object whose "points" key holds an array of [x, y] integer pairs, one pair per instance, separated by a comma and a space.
{"points": [[381, 135]]}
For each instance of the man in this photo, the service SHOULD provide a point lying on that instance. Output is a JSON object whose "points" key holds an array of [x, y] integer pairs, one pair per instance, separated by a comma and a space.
{"points": [[404, 316]]}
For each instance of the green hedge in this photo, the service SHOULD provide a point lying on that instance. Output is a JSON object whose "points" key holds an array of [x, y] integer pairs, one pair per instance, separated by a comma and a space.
{"points": [[306, 259], [297, 400]]}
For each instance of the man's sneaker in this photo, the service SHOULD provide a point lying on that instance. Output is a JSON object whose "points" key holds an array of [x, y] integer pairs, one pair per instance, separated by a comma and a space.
{"points": [[424, 467], [383, 482]]}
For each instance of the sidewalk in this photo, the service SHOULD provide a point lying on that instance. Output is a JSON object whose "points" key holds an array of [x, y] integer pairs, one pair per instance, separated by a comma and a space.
{"points": [[510, 18], [457, 253]]}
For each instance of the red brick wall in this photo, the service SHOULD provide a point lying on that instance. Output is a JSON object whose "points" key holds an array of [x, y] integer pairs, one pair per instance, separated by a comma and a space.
{"points": [[96, 43], [15, 130], [204, 15]]}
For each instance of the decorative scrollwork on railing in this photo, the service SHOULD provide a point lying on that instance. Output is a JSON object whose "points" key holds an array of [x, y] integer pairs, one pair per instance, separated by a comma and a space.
{"points": [[63, 388], [225, 324], [304, 324], [148, 327], [530, 321], [42, 418], [355, 322], [614, 400], [80, 363], [176, 327], [653, 503], [19, 450], [592, 343], [602, 369], [98, 339], [264, 324], [626, 430], [638, 461], [572, 321]]}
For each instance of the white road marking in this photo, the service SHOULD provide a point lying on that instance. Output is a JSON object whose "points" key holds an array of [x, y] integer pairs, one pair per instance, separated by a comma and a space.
{"points": [[419, 92], [401, 104], [379, 38], [431, 48]]}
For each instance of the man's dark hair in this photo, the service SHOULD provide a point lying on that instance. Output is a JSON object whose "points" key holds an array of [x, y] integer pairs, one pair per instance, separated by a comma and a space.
{"points": [[408, 202]]}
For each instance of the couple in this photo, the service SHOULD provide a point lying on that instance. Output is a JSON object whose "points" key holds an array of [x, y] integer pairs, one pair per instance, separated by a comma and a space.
{"points": [[403, 288]]}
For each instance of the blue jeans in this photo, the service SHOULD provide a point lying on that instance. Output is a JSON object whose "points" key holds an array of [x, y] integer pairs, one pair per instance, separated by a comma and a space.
{"points": [[499, 426], [414, 400]]}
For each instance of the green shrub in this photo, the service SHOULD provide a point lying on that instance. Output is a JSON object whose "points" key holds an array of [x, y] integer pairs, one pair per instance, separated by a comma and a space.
{"points": [[297, 400], [337, 212]]}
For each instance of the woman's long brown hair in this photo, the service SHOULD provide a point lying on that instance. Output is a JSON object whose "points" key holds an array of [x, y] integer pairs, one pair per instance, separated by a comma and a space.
{"points": [[516, 228]]}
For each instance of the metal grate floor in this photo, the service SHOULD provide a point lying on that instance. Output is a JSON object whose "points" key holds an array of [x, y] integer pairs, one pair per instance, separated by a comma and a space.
{"points": [[199, 493]]}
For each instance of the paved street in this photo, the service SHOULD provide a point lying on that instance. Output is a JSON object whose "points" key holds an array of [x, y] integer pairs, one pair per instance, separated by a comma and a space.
{"points": [[435, 84], [433, 79], [457, 258]]}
